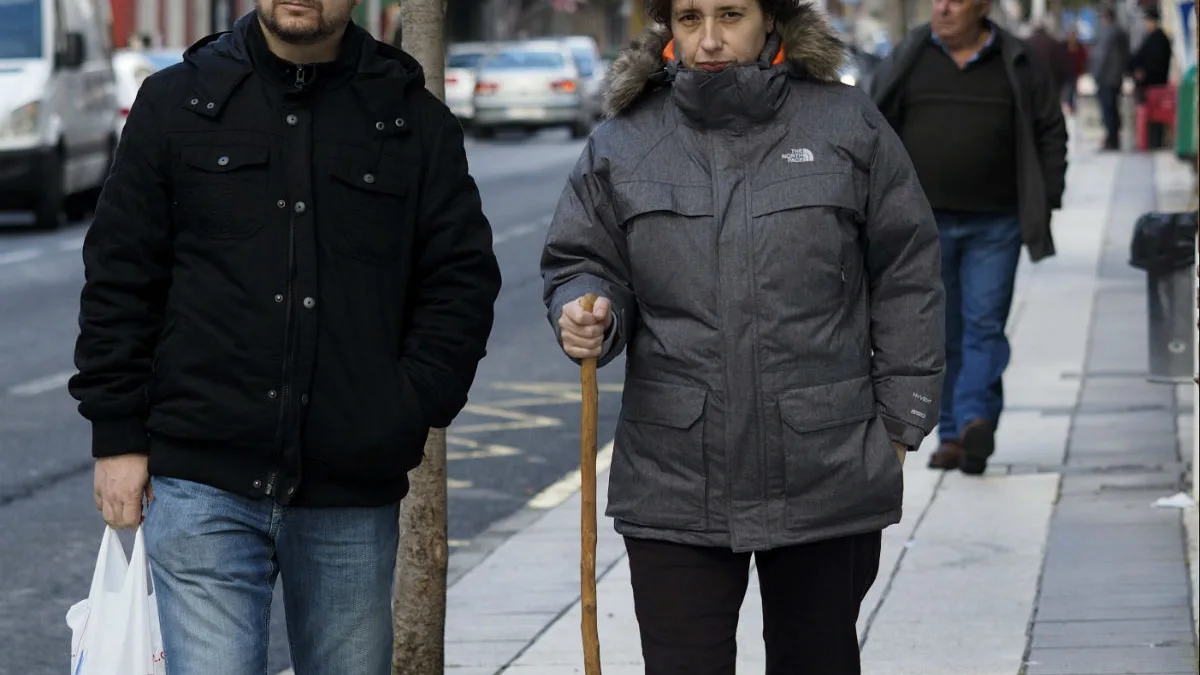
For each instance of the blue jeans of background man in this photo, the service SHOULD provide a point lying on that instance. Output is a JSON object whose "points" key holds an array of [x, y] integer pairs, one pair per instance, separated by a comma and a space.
{"points": [[979, 268], [215, 556]]}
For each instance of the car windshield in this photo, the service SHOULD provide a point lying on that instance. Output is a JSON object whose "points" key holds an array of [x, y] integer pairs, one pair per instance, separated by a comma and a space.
{"points": [[583, 59], [510, 60], [464, 60], [20, 29]]}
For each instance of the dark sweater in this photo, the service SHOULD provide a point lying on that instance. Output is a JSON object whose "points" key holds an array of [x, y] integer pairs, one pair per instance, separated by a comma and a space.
{"points": [[959, 129]]}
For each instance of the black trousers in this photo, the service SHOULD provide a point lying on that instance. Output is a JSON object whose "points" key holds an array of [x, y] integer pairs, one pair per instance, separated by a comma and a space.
{"points": [[687, 601], [1109, 99]]}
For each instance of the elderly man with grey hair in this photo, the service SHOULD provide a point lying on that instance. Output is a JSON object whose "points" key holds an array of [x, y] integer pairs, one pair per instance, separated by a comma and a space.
{"points": [[978, 112]]}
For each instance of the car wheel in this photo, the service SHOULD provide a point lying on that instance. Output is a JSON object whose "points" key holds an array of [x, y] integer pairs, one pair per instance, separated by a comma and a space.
{"points": [[49, 214]]}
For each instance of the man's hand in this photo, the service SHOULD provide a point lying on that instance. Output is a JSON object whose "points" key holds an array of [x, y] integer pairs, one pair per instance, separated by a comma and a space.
{"points": [[901, 451], [583, 332], [121, 482]]}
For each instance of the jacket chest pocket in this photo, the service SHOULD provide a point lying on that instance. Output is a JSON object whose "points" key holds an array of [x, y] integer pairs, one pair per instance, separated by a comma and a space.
{"points": [[368, 212], [671, 232], [222, 192], [806, 231]]}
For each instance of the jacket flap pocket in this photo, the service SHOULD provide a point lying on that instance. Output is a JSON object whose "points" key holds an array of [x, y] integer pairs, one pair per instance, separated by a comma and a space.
{"points": [[389, 181], [641, 197], [834, 189], [670, 405], [828, 405], [223, 159]]}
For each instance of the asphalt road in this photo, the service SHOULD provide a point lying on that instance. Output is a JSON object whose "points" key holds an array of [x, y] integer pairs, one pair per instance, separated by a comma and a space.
{"points": [[518, 435]]}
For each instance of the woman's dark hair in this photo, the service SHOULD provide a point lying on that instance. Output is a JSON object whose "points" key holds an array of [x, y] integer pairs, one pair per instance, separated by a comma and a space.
{"points": [[781, 10]]}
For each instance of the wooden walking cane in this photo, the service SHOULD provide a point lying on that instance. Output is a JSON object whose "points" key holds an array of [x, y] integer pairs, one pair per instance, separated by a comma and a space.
{"points": [[587, 472]]}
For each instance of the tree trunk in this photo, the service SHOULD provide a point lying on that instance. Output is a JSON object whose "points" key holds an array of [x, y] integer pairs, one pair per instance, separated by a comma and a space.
{"points": [[419, 600]]}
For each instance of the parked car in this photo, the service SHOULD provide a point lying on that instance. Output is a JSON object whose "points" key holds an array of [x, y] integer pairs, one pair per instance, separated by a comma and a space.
{"points": [[858, 67], [58, 112], [530, 85], [592, 70], [461, 60]]}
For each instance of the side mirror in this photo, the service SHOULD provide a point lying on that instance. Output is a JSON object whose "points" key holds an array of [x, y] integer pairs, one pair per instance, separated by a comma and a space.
{"points": [[71, 54]]}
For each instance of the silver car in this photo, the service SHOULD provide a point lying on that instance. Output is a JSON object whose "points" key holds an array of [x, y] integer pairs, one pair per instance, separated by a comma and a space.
{"points": [[530, 85]]}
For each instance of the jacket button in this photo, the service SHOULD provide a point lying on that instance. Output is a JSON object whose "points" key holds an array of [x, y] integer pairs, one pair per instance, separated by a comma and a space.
{"points": [[380, 126], [291, 491], [257, 483], [210, 105], [279, 297], [222, 160], [399, 122], [281, 204], [369, 178], [291, 119], [271, 394], [299, 207], [309, 303], [194, 101], [303, 399]]}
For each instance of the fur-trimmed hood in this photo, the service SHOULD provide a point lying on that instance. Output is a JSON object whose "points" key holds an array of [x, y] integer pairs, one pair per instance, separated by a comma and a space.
{"points": [[810, 44]]}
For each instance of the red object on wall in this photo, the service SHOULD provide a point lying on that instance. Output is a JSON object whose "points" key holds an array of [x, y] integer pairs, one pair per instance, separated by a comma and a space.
{"points": [[124, 22]]}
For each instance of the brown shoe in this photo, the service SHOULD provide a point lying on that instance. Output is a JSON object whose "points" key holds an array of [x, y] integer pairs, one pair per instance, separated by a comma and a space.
{"points": [[978, 444], [948, 456]]}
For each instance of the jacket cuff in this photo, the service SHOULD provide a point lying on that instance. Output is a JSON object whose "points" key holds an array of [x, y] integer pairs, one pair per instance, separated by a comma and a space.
{"points": [[903, 433], [120, 437]]}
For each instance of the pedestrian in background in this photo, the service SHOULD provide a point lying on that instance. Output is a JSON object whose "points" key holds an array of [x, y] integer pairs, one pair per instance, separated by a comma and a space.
{"points": [[1109, 62], [1053, 55], [1150, 66], [1077, 52], [983, 124], [765, 255], [289, 280]]}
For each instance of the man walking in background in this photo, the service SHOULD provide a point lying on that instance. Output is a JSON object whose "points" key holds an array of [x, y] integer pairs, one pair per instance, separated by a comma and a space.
{"points": [[981, 118], [1109, 61], [289, 281]]}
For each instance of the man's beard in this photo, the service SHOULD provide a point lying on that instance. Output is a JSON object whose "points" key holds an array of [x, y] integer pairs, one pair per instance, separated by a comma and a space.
{"points": [[303, 34]]}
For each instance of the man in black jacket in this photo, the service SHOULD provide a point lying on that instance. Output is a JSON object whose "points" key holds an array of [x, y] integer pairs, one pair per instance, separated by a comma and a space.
{"points": [[289, 281], [983, 124], [1151, 67]]}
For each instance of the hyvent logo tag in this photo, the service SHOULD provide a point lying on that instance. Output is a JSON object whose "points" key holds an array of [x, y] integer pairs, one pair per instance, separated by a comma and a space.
{"points": [[798, 155]]}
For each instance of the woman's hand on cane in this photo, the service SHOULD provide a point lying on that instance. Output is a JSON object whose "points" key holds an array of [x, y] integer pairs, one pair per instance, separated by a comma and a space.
{"points": [[583, 331]]}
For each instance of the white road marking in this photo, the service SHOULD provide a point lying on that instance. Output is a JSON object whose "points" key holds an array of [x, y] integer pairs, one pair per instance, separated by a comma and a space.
{"points": [[19, 256], [570, 484], [42, 384]]}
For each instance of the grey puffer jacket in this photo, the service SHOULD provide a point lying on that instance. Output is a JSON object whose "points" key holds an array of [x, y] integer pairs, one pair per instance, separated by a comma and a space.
{"points": [[774, 271]]}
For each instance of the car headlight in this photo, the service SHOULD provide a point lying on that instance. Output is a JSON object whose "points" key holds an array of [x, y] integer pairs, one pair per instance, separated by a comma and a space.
{"points": [[21, 122], [849, 79]]}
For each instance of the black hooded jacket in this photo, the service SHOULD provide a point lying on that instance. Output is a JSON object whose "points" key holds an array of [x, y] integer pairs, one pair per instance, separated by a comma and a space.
{"points": [[289, 278]]}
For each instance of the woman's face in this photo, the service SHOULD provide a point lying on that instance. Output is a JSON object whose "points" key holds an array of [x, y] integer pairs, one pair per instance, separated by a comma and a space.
{"points": [[715, 34]]}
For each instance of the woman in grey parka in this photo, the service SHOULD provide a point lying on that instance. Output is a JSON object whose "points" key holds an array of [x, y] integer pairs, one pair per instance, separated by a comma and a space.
{"points": [[765, 254]]}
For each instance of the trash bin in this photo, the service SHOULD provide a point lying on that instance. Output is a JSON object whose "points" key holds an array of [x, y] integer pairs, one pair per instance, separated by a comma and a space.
{"points": [[1164, 245]]}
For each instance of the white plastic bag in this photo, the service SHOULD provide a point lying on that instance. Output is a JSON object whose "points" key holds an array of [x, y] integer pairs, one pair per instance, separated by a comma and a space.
{"points": [[115, 631]]}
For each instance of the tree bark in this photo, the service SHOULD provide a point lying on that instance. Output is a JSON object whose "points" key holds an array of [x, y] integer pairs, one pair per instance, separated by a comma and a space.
{"points": [[419, 597]]}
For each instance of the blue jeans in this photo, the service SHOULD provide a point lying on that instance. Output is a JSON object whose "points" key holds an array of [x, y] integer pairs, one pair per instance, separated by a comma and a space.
{"points": [[215, 556], [979, 268]]}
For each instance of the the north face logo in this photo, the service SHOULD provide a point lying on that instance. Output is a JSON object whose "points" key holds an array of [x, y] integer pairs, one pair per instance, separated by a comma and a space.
{"points": [[799, 155]]}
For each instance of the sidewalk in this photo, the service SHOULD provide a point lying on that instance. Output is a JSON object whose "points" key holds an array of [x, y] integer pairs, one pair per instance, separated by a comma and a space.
{"points": [[1054, 563]]}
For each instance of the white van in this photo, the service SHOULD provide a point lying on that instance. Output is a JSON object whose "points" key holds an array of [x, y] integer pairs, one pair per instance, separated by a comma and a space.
{"points": [[58, 107]]}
